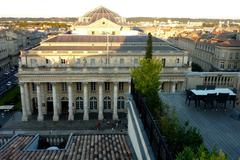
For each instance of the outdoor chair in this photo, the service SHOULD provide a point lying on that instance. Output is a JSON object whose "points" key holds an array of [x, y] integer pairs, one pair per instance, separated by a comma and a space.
{"points": [[200, 87], [222, 99], [209, 100], [190, 97], [210, 87]]}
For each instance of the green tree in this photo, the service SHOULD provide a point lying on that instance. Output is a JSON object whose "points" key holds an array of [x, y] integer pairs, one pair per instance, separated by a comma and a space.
{"points": [[149, 47], [146, 79], [186, 154]]}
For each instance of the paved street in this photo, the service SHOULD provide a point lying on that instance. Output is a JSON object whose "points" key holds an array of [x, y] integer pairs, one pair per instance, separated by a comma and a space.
{"points": [[7, 81], [219, 129], [15, 123]]}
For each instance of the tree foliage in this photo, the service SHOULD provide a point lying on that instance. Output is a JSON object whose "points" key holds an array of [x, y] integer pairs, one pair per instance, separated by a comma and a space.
{"points": [[201, 154], [146, 77], [149, 47]]}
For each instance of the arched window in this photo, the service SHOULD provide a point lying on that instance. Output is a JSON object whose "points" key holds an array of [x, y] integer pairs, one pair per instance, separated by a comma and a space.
{"points": [[93, 103], [79, 103], [34, 102], [121, 102], [107, 102]]}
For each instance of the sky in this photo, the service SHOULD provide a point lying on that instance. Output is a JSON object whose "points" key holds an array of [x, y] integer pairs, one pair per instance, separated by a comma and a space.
{"points": [[126, 8]]}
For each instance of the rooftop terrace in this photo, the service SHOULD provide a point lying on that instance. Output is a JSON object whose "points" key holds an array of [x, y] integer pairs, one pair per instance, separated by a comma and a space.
{"points": [[219, 129]]}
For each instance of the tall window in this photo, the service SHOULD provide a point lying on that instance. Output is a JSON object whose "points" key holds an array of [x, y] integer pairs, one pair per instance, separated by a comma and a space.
{"points": [[93, 103], [164, 62], [64, 86], [92, 61], [63, 61], [222, 65], [47, 61], [121, 102], [177, 60], [79, 86], [107, 86], [79, 103], [107, 102], [33, 87], [49, 87], [93, 86], [121, 61], [135, 61], [121, 86]]}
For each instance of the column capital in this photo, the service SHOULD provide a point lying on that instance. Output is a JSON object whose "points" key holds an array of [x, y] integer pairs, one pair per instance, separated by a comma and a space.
{"points": [[115, 83], [53, 83], [69, 83], [21, 83], [37, 83], [84, 83]]}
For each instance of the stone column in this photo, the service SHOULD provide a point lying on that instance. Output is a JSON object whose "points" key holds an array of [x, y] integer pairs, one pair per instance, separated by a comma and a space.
{"points": [[85, 101], [70, 102], [24, 110], [100, 111], [39, 100], [55, 109], [173, 86], [27, 100], [115, 97]]}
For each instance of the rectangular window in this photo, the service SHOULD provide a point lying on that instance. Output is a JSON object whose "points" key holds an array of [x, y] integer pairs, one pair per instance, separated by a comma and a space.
{"points": [[64, 86], [121, 61], [135, 61], [63, 61], [79, 86], [93, 86], [222, 65], [47, 61], [92, 61], [121, 86], [107, 86], [163, 62], [34, 87], [177, 60], [49, 87]]}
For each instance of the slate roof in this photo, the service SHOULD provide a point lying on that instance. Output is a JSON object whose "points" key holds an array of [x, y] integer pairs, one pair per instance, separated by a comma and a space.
{"points": [[100, 38], [104, 48]]}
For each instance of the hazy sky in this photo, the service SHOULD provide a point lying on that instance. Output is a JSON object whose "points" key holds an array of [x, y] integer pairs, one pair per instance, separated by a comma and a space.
{"points": [[126, 8]]}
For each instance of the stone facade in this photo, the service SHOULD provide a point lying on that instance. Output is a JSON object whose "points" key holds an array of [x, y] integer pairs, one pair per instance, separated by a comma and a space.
{"points": [[70, 73], [212, 56]]}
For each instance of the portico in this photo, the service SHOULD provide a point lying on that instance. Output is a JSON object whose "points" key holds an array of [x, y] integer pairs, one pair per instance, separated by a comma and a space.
{"points": [[96, 97]]}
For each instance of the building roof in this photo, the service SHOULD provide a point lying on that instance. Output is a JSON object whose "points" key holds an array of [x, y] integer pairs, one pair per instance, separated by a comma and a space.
{"points": [[100, 38], [87, 146], [104, 48], [99, 13], [230, 43]]}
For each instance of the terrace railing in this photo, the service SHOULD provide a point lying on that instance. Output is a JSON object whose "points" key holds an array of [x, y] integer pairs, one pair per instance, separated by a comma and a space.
{"points": [[152, 130]]}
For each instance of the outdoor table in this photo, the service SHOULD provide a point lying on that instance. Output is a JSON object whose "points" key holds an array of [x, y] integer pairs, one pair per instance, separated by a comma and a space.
{"points": [[202, 93]]}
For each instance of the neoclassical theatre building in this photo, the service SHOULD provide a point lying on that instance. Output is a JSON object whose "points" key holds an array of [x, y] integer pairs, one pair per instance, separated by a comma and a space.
{"points": [[89, 72]]}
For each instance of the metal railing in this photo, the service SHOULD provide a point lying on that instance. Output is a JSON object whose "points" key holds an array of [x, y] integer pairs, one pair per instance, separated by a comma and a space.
{"points": [[152, 130]]}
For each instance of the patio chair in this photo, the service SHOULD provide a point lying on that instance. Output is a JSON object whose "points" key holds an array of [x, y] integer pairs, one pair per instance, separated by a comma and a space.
{"points": [[190, 97], [222, 99], [200, 87], [210, 100], [210, 87]]}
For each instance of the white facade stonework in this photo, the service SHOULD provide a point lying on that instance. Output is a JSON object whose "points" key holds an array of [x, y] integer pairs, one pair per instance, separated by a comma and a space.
{"points": [[90, 74]]}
